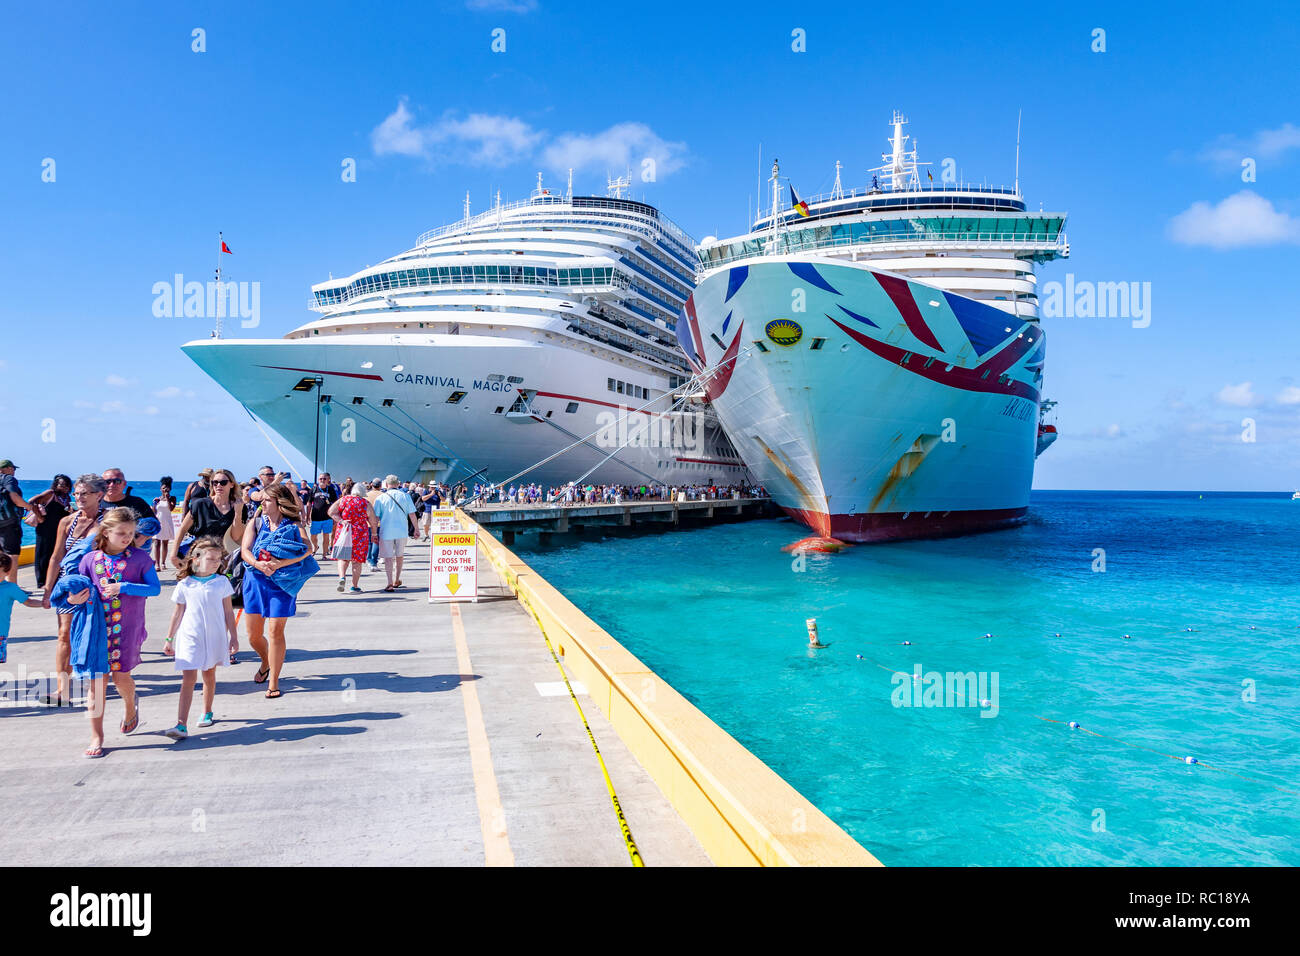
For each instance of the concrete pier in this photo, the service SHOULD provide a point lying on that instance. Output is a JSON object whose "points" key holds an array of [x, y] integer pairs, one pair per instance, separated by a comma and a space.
{"points": [[408, 734]]}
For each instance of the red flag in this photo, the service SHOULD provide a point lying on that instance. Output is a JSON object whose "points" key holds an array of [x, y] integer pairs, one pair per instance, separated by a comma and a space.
{"points": [[225, 248]]}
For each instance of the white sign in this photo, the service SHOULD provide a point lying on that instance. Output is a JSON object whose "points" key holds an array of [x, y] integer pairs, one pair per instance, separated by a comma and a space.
{"points": [[444, 521], [453, 566]]}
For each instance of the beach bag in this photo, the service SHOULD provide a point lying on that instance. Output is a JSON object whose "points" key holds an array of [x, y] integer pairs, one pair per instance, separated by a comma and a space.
{"points": [[32, 520], [237, 583], [342, 549]]}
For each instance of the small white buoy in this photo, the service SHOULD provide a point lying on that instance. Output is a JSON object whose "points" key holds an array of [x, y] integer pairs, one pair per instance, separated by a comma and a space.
{"points": [[1127, 638], [859, 657], [907, 642], [985, 702], [988, 635], [1058, 633], [1190, 760], [1074, 725], [812, 633]]}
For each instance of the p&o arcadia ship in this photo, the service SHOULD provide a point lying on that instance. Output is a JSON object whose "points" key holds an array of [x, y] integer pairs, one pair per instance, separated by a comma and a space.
{"points": [[492, 344], [876, 356]]}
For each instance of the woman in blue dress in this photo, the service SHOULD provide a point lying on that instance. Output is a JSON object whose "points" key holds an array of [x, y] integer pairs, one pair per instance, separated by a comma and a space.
{"points": [[279, 562]]}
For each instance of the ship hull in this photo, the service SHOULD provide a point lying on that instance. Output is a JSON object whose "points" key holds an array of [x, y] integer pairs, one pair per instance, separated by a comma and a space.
{"points": [[883, 409], [419, 434]]}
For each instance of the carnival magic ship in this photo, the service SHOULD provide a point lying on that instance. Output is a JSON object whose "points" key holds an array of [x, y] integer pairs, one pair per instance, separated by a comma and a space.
{"points": [[876, 357], [490, 346]]}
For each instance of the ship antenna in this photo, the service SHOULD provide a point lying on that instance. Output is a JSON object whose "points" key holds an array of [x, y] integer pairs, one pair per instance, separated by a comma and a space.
{"points": [[570, 197], [837, 191], [467, 205], [217, 332], [776, 191], [1018, 115]]}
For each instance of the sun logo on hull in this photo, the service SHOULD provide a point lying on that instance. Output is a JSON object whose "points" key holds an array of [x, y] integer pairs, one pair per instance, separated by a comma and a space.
{"points": [[784, 331]]}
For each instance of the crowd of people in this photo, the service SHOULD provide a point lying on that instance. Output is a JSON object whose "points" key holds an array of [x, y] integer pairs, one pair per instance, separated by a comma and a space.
{"points": [[240, 550], [574, 493]]}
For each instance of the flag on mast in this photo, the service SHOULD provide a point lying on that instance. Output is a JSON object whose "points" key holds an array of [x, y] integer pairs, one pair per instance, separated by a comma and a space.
{"points": [[798, 204], [225, 248]]}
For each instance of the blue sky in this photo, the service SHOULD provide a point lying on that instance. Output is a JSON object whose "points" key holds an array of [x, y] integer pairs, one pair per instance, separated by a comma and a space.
{"points": [[157, 147]]}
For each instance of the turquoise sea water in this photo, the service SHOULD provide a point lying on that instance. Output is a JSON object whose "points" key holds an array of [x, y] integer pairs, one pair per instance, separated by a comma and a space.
{"points": [[719, 613]]}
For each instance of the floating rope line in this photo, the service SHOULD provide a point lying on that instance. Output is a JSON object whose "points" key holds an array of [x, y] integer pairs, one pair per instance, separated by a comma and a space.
{"points": [[1075, 725]]}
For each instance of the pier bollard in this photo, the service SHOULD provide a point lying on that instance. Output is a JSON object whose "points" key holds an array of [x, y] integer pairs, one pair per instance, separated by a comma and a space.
{"points": [[812, 633]]}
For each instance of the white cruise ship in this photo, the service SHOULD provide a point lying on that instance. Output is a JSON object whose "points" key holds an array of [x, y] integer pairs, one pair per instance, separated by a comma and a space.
{"points": [[492, 344], [876, 355]]}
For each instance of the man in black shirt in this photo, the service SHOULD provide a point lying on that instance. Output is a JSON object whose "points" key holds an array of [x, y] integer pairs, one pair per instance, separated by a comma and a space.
{"points": [[323, 495]]}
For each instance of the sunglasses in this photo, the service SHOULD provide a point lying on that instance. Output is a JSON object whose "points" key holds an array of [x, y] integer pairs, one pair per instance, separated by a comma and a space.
{"points": [[221, 481], [114, 481]]}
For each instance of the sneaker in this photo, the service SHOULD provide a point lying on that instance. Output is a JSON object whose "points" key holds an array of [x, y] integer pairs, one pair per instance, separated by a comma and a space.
{"points": [[207, 720], [355, 589], [178, 732], [340, 585]]}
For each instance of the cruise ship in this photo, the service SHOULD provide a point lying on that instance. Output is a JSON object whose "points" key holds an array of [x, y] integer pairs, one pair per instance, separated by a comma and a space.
{"points": [[876, 355], [493, 344]]}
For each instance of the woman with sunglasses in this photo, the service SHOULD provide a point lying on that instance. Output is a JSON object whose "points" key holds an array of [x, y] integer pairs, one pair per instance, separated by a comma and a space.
{"points": [[220, 515]]}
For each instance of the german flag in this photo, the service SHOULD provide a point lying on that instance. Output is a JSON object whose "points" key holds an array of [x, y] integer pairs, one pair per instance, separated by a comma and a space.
{"points": [[798, 204]]}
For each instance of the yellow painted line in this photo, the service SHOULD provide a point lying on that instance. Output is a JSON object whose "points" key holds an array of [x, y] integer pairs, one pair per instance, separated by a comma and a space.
{"points": [[496, 844]]}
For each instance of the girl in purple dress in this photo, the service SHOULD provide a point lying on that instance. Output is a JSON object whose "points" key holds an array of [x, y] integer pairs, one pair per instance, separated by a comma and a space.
{"points": [[124, 577]]}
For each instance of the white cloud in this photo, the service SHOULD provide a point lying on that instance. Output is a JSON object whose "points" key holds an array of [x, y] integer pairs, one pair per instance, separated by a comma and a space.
{"points": [[501, 6], [151, 410], [1267, 144], [494, 140], [1289, 396], [1238, 395], [171, 391], [112, 408], [478, 138], [1243, 219], [622, 146], [118, 381]]}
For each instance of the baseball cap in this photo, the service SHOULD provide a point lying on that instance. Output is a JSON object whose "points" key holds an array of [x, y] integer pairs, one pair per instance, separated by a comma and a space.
{"points": [[6, 463]]}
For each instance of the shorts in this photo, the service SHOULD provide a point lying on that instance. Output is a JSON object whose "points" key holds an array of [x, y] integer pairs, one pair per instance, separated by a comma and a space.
{"points": [[392, 547], [11, 538], [264, 597], [322, 527]]}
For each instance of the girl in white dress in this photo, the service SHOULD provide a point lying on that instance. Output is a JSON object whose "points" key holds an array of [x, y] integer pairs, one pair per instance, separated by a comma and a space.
{"points": [[162, 510], [202, 633]]}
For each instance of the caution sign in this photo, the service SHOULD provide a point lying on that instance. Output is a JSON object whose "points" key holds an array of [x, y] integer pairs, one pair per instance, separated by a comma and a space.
{"points": [[453, 566], [444, 521]]}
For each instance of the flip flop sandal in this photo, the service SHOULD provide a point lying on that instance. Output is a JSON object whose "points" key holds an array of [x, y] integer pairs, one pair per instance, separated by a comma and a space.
{"points": [[273, 694], [262, 676], [93, 752], [397, 584], [125, 728]]}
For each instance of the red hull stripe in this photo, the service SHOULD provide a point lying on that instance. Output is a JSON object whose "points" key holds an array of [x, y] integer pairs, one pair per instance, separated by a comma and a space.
{"points": [[317, 371], [906, 305], [969, 379], [900, 526], [718, 382]]}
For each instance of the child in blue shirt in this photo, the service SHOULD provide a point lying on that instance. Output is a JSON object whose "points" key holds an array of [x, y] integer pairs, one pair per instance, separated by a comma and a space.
{"points": [[10, 594]]}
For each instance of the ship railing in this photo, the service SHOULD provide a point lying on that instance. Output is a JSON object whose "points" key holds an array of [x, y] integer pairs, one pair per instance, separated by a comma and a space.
{"points": [[846, 194], [782, 245], [316, 304], [494, 214]]}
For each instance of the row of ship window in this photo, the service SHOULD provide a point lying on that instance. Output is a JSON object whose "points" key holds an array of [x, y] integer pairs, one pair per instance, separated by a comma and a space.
{"points": [[525, 275], [1028, 229], [627, 388]]}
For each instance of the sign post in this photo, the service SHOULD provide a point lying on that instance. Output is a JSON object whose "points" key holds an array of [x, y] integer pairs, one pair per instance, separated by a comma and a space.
{"points": [[453, 566]]}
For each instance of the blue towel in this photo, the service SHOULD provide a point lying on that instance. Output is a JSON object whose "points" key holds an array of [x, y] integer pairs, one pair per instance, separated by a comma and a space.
{"points": [[285, 541], [89, 638]]}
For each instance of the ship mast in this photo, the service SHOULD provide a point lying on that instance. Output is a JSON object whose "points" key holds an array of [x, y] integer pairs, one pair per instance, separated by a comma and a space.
{"points": [[216, 334], [775, 180]]}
